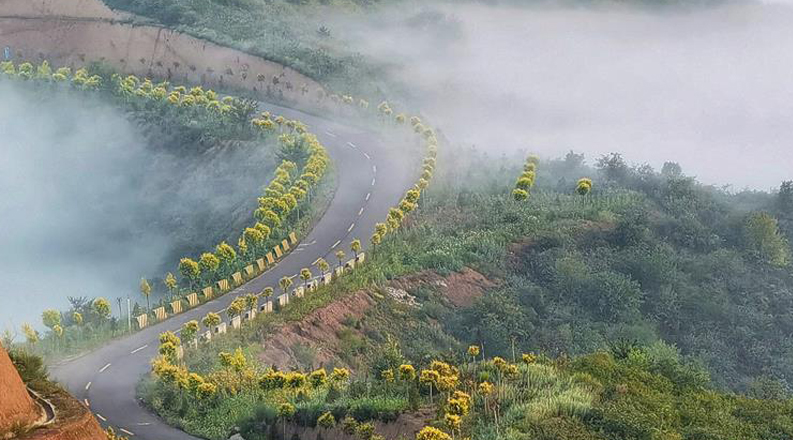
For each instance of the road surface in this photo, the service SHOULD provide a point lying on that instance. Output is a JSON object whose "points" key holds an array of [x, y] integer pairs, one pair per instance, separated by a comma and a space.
{"points": [[371, 178]]}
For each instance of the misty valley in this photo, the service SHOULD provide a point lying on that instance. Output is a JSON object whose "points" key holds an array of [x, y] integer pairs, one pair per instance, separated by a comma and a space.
{"points": [[396, 220], [99, 196]]}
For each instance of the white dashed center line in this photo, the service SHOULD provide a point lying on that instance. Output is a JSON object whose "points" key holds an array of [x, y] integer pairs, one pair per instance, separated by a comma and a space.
{"points": [[99, 416], [88, 385], [126, 432], [86, 402], [360, 212], [328, 132], [367, 156], [335, 244], [138, 349], [102, 370], [373, 181], [351, 145], [368, 195], [374, 169], [350, 228]]}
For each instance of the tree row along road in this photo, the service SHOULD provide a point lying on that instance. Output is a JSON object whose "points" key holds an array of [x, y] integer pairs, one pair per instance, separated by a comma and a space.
{"points": [[370, 179]]}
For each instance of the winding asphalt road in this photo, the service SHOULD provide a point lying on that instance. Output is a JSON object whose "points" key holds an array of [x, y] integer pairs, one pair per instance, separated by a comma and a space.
{"points": [[371, 179]]}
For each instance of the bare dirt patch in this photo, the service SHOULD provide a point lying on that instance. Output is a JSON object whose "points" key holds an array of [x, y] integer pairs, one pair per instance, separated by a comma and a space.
{"points": [[74, 33], [73, 422], [460, 288], [57, 8], [318, 331]]}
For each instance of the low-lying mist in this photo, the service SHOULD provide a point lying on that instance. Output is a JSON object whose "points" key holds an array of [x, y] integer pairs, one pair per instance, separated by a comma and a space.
{"points": [[91, 203], [709, 88]]}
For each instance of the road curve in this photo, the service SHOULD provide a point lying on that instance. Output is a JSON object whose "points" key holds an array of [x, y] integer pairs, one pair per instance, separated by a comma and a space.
{"points": [[370, 179]]}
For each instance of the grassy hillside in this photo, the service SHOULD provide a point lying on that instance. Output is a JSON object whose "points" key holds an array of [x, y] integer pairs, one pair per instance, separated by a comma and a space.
{"points": [[640, 393], [646, 256], [681, 290]]}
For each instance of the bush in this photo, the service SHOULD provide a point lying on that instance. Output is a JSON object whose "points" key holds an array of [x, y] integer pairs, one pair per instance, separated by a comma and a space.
{"points": [[30, 367]]}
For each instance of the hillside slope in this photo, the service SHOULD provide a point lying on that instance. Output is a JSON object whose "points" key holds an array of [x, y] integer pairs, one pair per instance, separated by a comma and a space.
{"points": [[16, 406]]}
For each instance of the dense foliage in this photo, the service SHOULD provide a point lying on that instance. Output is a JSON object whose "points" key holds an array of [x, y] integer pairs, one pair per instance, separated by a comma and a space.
{"points": [[645, 256], [629, 392], [678, 288]]}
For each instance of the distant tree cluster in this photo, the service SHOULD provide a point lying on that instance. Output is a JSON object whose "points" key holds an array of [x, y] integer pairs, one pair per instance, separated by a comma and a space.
{"points": [[525, 182]]}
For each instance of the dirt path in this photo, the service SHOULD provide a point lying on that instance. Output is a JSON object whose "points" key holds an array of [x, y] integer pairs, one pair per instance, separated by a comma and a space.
{"points": [[75, 32]]}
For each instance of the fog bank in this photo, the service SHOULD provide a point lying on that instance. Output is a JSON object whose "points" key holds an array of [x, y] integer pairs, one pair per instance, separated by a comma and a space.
{"points": [[709, 88], [92, 202], [69, 173]]}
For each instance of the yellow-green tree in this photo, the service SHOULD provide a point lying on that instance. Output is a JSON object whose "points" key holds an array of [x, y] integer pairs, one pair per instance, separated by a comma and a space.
{"points": [[765, 240], [318, 378], [285, 283], [305, 275], [31, 335], [355, 247], [234, 361], [430, 378], [236, 307], [381, 229], [473, 351], [407, 372], [101, 307], [584, 186], [339, 375], [323, 266], [520, 194], [524, 183], [145, 290], [340, 256], [190, 330], [285, 412], [453, 422], [430, 433], [242, 246], [227, 256], [326, 420], [168, 351], [209, 265], [210, 320], [267, 292], [50, 318], [396, 214], [251, 301], [170, 283], [205, 391], [190, 270], [254, 237], [364, 431]]}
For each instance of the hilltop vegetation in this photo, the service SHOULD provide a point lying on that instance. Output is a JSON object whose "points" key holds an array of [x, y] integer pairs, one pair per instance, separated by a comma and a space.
{"points": [[645, 256], [633, 394], [648, 292]]}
